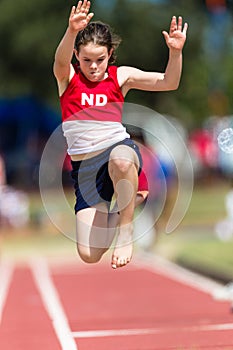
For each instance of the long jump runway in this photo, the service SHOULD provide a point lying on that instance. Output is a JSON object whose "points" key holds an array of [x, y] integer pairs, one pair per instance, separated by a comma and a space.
{"points": [[150, 304]]}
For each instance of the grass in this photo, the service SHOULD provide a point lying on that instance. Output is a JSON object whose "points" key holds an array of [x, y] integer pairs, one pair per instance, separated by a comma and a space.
{"points": [[24, 245], [40, 236], [194, 244]]}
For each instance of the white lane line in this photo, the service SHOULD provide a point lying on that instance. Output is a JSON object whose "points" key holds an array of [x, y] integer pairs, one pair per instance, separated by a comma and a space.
{"points": [[151, 331], [52, 303], [6, 273], [162, 266], [113, 333], [218, 327]]}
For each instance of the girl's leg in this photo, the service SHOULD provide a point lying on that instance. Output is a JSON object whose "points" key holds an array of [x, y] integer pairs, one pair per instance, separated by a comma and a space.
{"points": [[123, 170], [114, 215], [92, 233], [96, 229]]}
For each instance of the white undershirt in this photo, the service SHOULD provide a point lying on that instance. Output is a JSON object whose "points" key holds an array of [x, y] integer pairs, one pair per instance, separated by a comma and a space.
{"points": [[85, 136]]}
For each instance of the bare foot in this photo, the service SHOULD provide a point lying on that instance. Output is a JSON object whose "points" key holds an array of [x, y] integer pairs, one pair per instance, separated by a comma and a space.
{"points": [[123, 250]]}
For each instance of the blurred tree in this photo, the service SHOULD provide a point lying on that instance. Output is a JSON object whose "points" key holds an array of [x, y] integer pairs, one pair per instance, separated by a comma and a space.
{"points": [[140, 24], [217, 44], [31, 30]]}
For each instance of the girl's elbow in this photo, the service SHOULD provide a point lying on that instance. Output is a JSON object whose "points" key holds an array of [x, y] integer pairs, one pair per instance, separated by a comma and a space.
{"points": [[174, 86], [170, 85]]}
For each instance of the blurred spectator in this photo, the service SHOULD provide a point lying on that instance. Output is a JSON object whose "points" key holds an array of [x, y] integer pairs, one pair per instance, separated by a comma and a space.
{"points": [[204, 152], [168, 138], [224, 228], [14, 204], [224, 161]]}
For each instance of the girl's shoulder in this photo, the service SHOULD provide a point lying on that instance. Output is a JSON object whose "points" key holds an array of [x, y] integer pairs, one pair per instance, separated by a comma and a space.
{"points": [[123, 73], [118, 69], [124, 70]]}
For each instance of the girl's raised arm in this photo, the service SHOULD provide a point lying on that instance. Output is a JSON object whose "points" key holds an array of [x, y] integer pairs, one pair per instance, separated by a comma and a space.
{"points": [[132, 78], [78, 20]]}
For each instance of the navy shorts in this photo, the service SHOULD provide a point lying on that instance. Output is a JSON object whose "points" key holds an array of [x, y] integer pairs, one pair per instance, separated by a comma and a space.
{"points": [[92, 182]]}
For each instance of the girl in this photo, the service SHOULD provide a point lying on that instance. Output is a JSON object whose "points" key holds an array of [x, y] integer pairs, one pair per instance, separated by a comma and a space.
{"points": [[105, 161]]}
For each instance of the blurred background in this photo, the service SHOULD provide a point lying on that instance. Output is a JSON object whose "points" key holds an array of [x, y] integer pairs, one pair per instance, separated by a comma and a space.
{"points": [[199, 109]]}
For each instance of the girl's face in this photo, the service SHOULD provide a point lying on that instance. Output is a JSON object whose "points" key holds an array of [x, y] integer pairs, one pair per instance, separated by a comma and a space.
{"points": [[93, 61]]}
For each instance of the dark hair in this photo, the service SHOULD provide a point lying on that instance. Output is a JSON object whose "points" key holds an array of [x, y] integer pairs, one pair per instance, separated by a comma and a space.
{"points": [[100, 34]]}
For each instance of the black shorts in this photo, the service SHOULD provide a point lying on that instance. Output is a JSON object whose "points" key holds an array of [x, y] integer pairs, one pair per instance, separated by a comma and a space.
{"points": [[92, 182]]}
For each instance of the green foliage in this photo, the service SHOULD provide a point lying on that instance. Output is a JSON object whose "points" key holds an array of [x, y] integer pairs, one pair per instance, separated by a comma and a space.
{"points": [[31, 30], [29, 33]]}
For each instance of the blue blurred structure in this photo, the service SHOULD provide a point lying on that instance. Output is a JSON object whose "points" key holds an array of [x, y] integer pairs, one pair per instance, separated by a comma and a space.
{"points": [[217, 46], [106, 4], [154, 1], [25, 125], [217, 41]]}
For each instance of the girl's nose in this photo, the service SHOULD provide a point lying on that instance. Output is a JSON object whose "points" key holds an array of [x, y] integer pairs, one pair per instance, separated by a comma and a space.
{"points": [[93, 65]]}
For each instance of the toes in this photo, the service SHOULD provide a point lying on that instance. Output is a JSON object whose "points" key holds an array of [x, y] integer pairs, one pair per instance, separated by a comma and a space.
{"points": [[114, 262], [122, 262], [119, 262]]}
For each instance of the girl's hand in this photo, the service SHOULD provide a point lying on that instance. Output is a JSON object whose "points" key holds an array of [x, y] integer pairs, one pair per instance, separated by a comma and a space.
{"points": [[80, 16], [176, 38]]}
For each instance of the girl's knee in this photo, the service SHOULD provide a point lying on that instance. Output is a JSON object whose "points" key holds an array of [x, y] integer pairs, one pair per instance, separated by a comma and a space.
{"points": [[121, 165], [122, 159], [89, 255]]}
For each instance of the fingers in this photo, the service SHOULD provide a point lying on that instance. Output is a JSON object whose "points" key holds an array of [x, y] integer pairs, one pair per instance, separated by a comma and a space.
{"points": [[79, 5], [88, 6], [83, 7], [173, 25], [81, 12], [185, 28], [89, 17], [177, 25], [165, 34], [72, 11]]}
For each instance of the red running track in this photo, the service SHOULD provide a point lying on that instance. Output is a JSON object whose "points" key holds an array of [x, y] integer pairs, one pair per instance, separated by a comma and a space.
{"points": [[72, 306]]}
